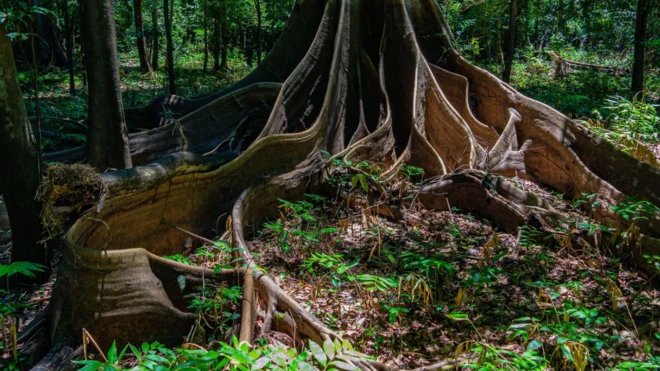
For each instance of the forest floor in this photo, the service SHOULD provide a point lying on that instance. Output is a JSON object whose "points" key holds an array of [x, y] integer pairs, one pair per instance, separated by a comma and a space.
{"points": [[438, 285]]}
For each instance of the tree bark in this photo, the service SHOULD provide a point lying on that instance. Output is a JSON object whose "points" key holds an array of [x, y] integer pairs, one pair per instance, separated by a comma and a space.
{"points": [[107, 139], [510, 42], [19, 178], [170, 47], [155, 46], [641, 24], [145, 67]]}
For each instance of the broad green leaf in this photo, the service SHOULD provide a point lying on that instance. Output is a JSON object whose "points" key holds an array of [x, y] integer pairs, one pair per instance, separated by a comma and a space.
{"points": [[90, 365], [329, 348], [318, 353], [261, 363], [304, 366], [112, 354], [343, 366], [566, 352], [156, 358], [534, 344]]}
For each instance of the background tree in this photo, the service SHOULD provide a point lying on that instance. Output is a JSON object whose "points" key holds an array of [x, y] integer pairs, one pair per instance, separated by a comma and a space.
{"points": [[141, 39], [155, 46], [510, 41], [107, 138], [69, 19], [170, 46], [641, 24], [19, 176]]}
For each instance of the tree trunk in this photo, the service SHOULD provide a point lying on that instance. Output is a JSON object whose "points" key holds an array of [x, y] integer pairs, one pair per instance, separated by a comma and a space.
{"points": [[224, 37], [510, 42], [170, 47], [155, 46], [206, 37], [19, 178], [51, 51], [641, 24], [412, 99], [107, 139], [145, 67], [69, 45], [257, 4], [248, 45], [217, 43]]}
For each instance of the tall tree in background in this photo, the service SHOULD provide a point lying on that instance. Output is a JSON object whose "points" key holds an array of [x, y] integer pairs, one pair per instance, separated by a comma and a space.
{"points": [[217, 42], [170, 51], [641, 24], [257, 4], [224, 37], [107, 138], [68, 35], [141, 40], [19, 175], [155, 47], [206, 36], [510, 41]]}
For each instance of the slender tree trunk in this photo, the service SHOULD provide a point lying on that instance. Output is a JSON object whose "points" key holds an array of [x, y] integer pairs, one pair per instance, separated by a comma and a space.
{"points": [[170, 52], [19, 175], [224, 37], [248, 44], [216, 43], [257, 4], [107, 139], [206, 37], [141, 40], [155, 46], [510, 42], [536, 30], [68, 27], [35, 82], [641, 24]]}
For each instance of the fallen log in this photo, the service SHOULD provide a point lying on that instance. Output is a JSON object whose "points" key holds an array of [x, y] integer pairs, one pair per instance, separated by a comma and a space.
{"points": [[564, 66]]}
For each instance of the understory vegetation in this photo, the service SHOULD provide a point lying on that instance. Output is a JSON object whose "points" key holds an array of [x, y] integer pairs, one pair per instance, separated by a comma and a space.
{"points": [[424, 287]]}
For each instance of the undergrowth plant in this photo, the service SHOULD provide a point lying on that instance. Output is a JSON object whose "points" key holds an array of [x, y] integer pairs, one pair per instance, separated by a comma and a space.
{"points": [[233, 356], [11, 306]]}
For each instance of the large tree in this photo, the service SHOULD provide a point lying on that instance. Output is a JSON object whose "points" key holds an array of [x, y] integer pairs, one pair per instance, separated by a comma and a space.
{"points": [[641, 24], [107, 138], [19, 176], [355, 79], [155, 43], [510, 41], [145, 66], [170, 47]]}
